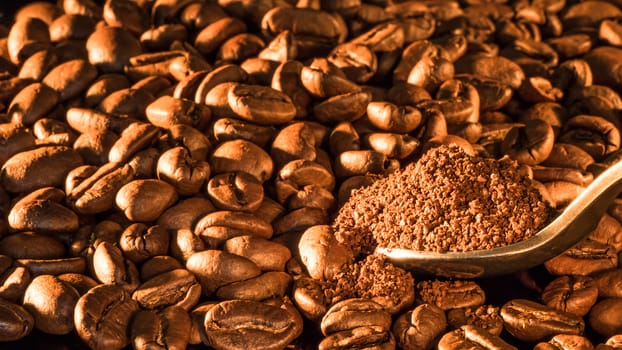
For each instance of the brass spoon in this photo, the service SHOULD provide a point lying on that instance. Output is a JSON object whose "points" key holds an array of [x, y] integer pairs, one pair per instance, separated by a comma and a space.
{"points": [[578, 219]]}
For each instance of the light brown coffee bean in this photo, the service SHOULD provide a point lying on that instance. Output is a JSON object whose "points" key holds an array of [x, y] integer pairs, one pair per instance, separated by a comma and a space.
{"points": [[70, 78], [24, 111], [167, 111], [321, 253], [268, 255], [176, 167], [235, 191], [51, 302], [145, 200], [217, 227], [271, 284], [185, 213], [42, 211], [565, 341], [24, 171], [139, 242], [109, 266], [26, 37], [241, 155], [137, 136]]}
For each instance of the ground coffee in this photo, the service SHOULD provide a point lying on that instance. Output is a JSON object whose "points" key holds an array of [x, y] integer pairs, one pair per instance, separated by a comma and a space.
{"points": [[372, 278], [447, 201]]}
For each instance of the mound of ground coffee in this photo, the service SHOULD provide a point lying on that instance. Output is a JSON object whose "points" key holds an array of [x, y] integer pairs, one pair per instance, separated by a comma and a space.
{"points": [[372, 278], [447, 201]]}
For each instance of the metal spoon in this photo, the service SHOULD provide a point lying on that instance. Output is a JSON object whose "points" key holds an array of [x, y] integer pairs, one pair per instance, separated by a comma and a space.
{"points": [[578, 219]]}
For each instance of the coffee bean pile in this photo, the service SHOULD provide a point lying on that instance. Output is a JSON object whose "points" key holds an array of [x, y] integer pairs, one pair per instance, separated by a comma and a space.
{"points": [[170, 169], [446, 201]]}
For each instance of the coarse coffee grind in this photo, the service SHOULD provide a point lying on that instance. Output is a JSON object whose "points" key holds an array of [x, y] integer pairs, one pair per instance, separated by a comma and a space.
{"points": [[446, 201], [373, 278]]}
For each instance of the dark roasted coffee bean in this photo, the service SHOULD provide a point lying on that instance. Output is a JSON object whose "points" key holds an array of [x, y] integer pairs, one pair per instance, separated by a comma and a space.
{"points": [[16, 322]]}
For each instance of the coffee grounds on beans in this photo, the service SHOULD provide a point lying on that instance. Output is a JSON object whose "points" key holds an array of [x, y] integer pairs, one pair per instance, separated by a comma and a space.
{"points": [[447, 201], [370, 278]]}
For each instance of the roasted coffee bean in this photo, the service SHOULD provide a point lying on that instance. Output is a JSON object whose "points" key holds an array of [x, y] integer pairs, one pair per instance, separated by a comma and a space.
{"points": [[58, 266], [109, 266], [157, 265], [321, 253], [137, 136], [350, 314], [176, 167], [26, 37], [215, 268], [13, 283], [51, 302], [530, 321], [530, 144], [238, 324], [420, 327], [32, 245], [139, 242], [23, 172], [608, 283], [367, 336], [93, 190], [227, 129], [14, 140], [389, 117], [309, 298], [102, 317], [606, 318], [169, 328], [271, 284], [166, 111], [241, 155], [594, 134], [176, 287], [585, 258], [573, 294], [217, 227], [16, 322], [565, 341], [42, 211], [24, 110], [145, 200], [82, 283], [472, 337]]}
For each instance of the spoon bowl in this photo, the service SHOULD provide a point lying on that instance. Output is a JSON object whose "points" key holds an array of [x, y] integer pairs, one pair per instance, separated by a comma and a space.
{"points": [[578, 219]]}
